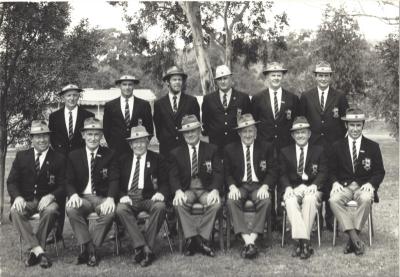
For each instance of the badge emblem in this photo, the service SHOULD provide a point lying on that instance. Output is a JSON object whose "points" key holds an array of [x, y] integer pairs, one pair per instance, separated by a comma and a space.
{"points": [[208, 166], [52, 179], [154, 181], [139, 121], [239, 113], [335, 112], [288, 114], [148, 164], [304, 177], [104, 172], [314, 169], [263, 165], [367, 164]]}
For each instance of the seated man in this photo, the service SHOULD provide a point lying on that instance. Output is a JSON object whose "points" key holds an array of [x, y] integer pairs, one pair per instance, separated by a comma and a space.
{"points": [[35, 185], [356, 171], [91, 188], [303, 172], [142, 178], [196, 177], [250, 172]]}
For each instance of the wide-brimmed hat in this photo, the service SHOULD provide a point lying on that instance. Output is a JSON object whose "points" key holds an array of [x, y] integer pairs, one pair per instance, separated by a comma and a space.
{"points": [[189, 122], [299, 123], [222, 71], [245, 120], [274, 67], [138, 132], [69, 88], [92, 123], [174, 70], [39, 127], [354, 114], [323, 67], [127, 78]]}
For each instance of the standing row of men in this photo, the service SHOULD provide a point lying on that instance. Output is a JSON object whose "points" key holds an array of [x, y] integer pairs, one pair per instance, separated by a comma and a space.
{"points": [[135, 179]]}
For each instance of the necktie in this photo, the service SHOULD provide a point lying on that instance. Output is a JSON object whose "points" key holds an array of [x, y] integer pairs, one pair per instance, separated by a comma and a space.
{"points": [[354, 156], [300, 167], [92, 172], [37, 163], [175, 104], [276, 109], [322, 101], [135, 179], [194, 162], [225, 101], [248, 165], [70, 127], [127, 114]]}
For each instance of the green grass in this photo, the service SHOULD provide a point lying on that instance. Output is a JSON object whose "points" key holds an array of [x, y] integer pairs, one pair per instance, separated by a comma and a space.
{"points": [[381, 259]]}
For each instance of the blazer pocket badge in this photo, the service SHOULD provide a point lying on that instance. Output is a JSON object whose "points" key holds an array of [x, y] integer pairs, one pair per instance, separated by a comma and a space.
{"points": [[52, 180], [288, 114], [154, 181], [335, 112], [263, 165], [208, 166], [314, 169], [367, 164], [104, 173], [148, 164]]}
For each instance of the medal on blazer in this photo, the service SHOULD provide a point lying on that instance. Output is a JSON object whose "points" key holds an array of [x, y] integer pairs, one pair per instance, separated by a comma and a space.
{"points": [[208, 166], [366, 163], [335, 112], [239, 113], [139, 122], [154, 181], [104, 172], [48, 170], [52, 179], [304, 177], [148, 164], [288, 114], [314, 169], [263, 165]]}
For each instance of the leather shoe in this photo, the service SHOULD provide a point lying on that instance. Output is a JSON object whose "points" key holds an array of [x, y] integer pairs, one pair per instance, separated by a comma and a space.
{"points": [[83, 258], [349, 248], [51, 240], [147, 260], [297, 250], [32, 260], [359, 248], [189, 247], [206, 249], [251, 251], [139, 255], [306, 252], [243, 252], [92, 261], [45, 261]]}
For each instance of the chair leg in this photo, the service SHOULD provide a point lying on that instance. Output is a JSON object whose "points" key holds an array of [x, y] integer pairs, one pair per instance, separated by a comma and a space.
{"points": [[334, 231], [269, 230], [283, 227], [221, 229], [166, 230], [20, 247], [228, 231], [372, 222], [318, 230], [180, 236], [55, 241], [370, 229], [117, 241]]}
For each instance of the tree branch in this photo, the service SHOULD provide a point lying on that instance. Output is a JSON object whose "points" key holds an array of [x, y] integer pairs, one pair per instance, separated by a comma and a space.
{"points": [[240, 15], [387, 20]]}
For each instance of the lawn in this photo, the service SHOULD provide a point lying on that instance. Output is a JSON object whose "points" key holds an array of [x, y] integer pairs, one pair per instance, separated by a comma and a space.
{"points": [[382, 259]]}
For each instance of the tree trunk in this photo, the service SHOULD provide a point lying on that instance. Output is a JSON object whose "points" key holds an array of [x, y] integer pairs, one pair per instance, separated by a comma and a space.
{"points": [[3, 147], [192, 12], [228, 46]]}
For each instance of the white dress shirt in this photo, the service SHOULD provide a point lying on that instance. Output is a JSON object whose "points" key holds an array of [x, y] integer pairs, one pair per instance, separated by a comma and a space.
{"points": [[253, 173], [130, 103], [141, 171], [74, 116], [326, 91], [228, 96], [88, 189], [171, 99], [42, 156], [278, 97], [358, 146], [191, 155], [298, 151]]}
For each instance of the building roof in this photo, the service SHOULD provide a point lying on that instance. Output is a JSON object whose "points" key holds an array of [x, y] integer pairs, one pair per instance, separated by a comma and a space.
{"points": [[93, 97]]}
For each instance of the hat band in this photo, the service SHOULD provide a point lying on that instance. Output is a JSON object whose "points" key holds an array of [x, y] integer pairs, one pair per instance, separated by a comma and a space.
{"points": [[191, 125], [247, 123], [39, 129], [355, 116], [300, 126], [323, 69]]}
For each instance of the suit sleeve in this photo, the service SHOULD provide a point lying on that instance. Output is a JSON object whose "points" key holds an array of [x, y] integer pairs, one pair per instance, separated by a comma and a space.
{"points": [[162, 176], [333, 167], [343, 106], [254, 107], [217, 172], [14, 180], [59, 191], [378, 171], [174, 180], [205, 116], [246, 108], [303, 106], [228, 168], [296, 106], [272, 168], [284, 171], [196, 108], [113, 178], [321, 178], [52, 128], [107, 124], [148, 119], [157, 119], [70, 177]]}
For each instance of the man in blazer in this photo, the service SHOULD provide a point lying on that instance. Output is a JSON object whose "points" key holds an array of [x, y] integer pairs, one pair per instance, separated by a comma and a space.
{"points": [[323, 107], [91, 187], [36, 185], [196, 177], [169, 110], [356, 171], [303, 173], [250, 173], [142, 178], [220, 110], [65, 125], [124, 112]]}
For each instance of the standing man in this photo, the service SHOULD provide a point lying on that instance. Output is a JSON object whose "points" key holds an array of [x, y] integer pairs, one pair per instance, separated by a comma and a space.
{"points": [[221, 109], [196, 177], [169, 110], [36, 185], [91, 187], [303, 173], [323, 107], [65, 125], [250, 172], [142, 177], [124, 112], [356, 171]]}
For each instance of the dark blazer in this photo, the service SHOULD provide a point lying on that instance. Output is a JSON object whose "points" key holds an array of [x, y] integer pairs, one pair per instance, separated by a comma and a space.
{"points": [[271, 130], [167, 123], [315, 166], [218, 123], [115, 129], [59, 132], [155, 174], [105, 180], [369, 167], [326, 126], [180, 172], [22, 180], [264, 164]]}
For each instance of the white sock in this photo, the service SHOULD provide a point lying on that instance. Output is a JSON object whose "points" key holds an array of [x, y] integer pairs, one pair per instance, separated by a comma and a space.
{"points": [[246, 238], [37, 250], [253, 237]]}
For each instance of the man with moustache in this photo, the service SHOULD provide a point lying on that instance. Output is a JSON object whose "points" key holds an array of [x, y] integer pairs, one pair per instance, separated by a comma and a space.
{"points": [[303, 174], [65, 125], [36, 185], [250, 173], [196, 177], [124, 112], [91, 187], [356, 171], [323, 107]]}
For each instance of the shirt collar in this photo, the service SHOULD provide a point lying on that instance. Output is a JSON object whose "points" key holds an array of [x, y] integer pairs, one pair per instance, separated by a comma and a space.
{"points": [[305, 147], [325, 90], [141, 156], [129, 99], [191, 147], [358, 140], [43, 154], [171, 95], [74, 110], [245, 146], [228, 93], [88, 151], [279, 90]]}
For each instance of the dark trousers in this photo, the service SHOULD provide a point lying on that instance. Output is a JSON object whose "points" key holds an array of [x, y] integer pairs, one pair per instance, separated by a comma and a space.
{"points": [[127, 216], [262, 208], [61, 217]]}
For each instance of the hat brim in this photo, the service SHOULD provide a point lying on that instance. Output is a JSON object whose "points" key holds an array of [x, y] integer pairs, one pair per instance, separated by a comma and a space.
{"points": [[329, 72], [352, 119], [65, 91], [300, 128], [40, 132], [219, 77], [190, 128], [242, 127], [138, 137], [136, 81], [275, 70], [167, 76], [87, 129]]}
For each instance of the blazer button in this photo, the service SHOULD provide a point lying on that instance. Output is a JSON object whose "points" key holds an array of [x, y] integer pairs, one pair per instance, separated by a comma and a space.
{"points": [[322, 122], [276, 126], [35, 186], [34, 192], [177, 138], [276, 136], [226, 123], [226, 133], [176, 128], [322, 134], [226, 113]]}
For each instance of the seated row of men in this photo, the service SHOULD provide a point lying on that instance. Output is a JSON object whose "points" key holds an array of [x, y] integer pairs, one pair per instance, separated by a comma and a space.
{"points": [[97, 180]]}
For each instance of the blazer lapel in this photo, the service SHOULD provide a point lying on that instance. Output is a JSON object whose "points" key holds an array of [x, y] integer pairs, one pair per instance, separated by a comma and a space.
{"points": [[347, 154], [46, 162], [256, 160], [268, 102], [217, 101], [201, 154], [168, 106], [241, 161], [62, 122], [315, 100], [147, 166], [181, 104], [330, 99], [361, 154], [186, 157], [79, 118]]}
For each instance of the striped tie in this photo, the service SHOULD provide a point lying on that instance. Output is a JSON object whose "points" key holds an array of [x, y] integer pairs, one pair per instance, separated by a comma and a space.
{"points": [[322, 101], [175, 104], [194, 162], [70, 127], [355, 159], [127, 114], [225, 101], [276, 109], [37, 163], [92, 172], [248, 166], [300, 167], [135, 179]]}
